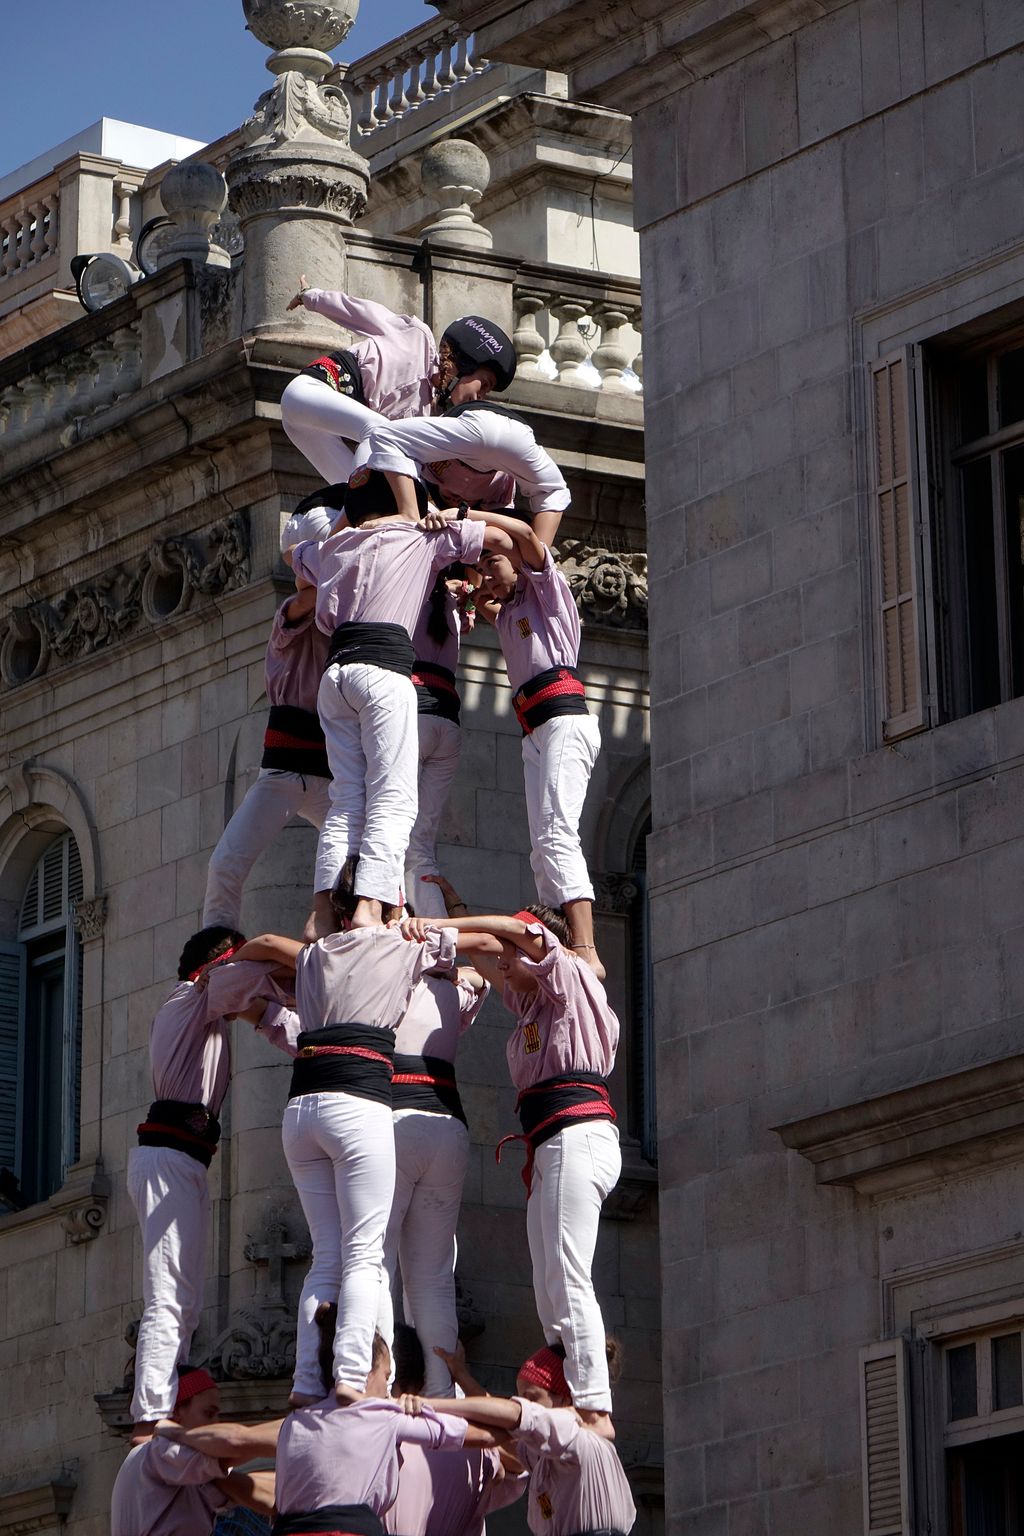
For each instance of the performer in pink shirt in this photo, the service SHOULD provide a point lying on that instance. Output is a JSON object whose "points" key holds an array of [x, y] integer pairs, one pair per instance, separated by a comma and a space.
{"points": [[560, 1056], [336, 1467], [372, 580], [435, 641], [191, 1065], [164, 1489], [431, 1157], [294, 775], [577, 1483], [446, 1493], [352, 989], [396, 372]]}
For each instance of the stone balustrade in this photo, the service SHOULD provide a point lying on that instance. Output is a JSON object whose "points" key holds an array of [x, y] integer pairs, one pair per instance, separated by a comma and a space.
{"points": [[75, 384], [428, 62], [585, 328], [28, 228]]}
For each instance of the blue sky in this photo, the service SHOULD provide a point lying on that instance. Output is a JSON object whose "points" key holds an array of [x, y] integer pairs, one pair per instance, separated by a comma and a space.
{"points": [[184, 66]]}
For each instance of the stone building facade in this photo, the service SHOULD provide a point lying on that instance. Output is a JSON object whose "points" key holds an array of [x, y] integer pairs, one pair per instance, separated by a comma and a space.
{"points": [[832, 257], [145, 477]]}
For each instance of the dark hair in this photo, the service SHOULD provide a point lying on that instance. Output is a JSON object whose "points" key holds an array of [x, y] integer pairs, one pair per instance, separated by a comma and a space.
{"points": [[373, 497], [344, 899], [438, 617], [612, 1353], [380, 1351], [553, 918], [410, 1366], [326, 1319], [205, 946], [183, 1370]]}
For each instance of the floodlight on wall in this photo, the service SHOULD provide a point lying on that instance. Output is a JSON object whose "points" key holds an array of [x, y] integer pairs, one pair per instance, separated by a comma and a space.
{"points": [[102, 279]]}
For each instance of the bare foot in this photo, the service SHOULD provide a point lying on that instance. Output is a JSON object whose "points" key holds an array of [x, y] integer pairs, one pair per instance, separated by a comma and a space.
{"points": [[143, 1431], [346, 1394], [302, 1400], [368, 913], [599, 1421]]}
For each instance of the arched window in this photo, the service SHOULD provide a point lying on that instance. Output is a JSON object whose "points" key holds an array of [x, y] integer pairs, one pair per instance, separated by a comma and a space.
{"points": [[41, 1033]]}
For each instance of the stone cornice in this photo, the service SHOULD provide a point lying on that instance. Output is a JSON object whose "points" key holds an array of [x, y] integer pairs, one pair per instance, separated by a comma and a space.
{"points": [[80, 1205], [916, 1135], [625, 55], [38, 1506]]}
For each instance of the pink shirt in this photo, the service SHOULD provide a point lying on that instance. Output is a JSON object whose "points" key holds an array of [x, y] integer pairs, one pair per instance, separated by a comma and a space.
{"points": [[396, 360], [330, 1455], [382, 575], [190, 1039], [439, 1012], [365, 976], [166, 1490], [566, 1025], [576, 1478], [296, 657], [449, 1493], [539, 626], [444, 653]]}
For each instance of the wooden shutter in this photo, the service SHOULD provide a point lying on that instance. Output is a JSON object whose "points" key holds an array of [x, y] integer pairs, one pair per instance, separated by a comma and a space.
{"points": [[885, 1439], [12, 1004], [894, 500]]}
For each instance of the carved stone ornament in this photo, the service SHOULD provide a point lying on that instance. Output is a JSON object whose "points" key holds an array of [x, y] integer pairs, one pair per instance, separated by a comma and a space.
{"points": [[253, 1347], [614, 893], [259, 185], [158, 586], [609, 587], [320, 24], [84, 1222], [88, 917], [295, 110]]}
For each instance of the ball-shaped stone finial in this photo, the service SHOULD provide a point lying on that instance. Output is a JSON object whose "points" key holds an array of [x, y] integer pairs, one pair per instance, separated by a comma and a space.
{"points": [[193, 193], [319, 24], [455, 165]]}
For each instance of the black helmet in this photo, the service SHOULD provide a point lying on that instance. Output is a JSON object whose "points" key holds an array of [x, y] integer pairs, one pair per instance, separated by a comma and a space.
{"points": [[479, 343]]}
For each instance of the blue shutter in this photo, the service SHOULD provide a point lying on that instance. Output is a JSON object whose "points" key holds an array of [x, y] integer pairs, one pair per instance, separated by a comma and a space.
{"points": [[12, 1007]]}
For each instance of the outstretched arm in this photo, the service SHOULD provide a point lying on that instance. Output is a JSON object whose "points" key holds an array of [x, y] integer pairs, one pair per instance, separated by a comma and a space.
{"points": [[513, 929], [531, 550], [274, 947], [490, 1412], [253, 1490], [224, 1442]]}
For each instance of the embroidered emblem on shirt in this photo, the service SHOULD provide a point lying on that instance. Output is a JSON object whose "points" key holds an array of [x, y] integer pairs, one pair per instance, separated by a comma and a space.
{"points": [[359, 476], [531, 1039], [523, 625], [544, 1505], [438, 469]]}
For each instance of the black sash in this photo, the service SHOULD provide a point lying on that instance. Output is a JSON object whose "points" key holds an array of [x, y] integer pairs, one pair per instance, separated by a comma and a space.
{"points": [[345, 1519], [379, 645], [549, 1106], [345, 1058], [436, 1092], [294, 741], [341, 371], [436, 693], [555, 691], [189, 1128]]}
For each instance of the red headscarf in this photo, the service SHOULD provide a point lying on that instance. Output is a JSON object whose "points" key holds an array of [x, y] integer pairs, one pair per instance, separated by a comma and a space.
{"points": [[191, 1384], [546, 1369]]}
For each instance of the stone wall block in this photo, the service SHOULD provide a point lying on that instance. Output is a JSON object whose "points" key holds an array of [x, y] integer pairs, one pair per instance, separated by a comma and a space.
{"points": [[755, 383], [708, 652], [731, 1468], [904, 157], [828, 75], [159, 778], [714, 142], [701, 405], [770, 127], [114, 797], [913, 244], [941, 908], [989, 809], [747, 700], [954, 37], [880, 54], [801, 223], [1003, 886], [741, 827], [726, 1063], [836, 732], [179, 829], [917, 837], [1004, 25], [874, 943], [741, 230], [741, 574], [728, 327], [722, 773], [952, 130], [658, 132], [771, 626]]}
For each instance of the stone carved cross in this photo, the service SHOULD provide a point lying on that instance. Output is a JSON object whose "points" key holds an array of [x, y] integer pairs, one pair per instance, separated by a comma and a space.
{"points": [[275, 1251]]}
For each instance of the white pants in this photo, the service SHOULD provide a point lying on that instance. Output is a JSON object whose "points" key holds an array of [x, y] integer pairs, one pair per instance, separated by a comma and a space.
{"points": [[341, 1152], [171, 1196], [573, 1174], [558, 759], [431, 1158], [369, 719], [440, 744], [316, 418], [484, 440], [272, 801]]}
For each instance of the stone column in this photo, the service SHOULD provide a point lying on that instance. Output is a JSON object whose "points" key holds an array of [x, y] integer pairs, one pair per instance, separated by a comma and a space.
{"points": [[296, 184]]}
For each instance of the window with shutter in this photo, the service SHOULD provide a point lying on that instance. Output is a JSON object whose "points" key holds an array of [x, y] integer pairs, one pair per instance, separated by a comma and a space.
{"points": [[898, 550], [885, 1440], [12, 1003]]}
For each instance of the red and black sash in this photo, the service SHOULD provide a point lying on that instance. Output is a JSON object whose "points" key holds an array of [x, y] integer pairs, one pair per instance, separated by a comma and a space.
{"points": [[436, 693], [345, 1058], [548, 1107], [331, 1520], [558, 691], [294, 741], [378, 645], [189, 1128], [426, 1083], [341, 371]]}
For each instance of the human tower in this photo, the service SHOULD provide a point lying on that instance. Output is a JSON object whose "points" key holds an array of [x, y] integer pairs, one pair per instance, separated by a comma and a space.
{"points": [[413, 539]]}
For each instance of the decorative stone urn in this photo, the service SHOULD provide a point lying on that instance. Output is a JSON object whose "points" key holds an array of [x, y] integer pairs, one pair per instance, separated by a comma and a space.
{"points": [[296, 184], [455, 174], [193, 195]]}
